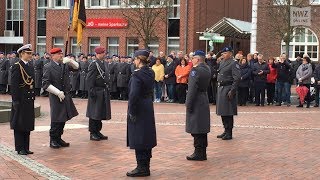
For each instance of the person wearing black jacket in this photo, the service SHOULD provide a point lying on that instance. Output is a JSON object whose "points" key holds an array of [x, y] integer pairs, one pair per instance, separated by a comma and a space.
{"points": [[260, 71], [170, 78], [243, 87], [316, 75], [283, 78], [3, 73], [212, 88]]}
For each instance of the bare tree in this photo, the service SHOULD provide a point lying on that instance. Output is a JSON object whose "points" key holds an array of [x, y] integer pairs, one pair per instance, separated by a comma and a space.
{"points": [[145, 16], [278, 14]]}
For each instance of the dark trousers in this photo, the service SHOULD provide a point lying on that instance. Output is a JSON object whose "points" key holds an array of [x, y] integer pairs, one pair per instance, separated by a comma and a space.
{"points": [[56, 130], [212, 91], [251, 92], [37, 91], [243, 93], [270, 92], [95, 126], [3, 88], [21, 140], [143, 154], [316, 99], [260, 88], [200, 140], [123, 93], [170, 91], [227, 122], [181, 92]]}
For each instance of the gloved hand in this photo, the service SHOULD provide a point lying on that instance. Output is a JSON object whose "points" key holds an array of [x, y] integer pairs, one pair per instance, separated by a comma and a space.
{"points": [[230, 95], [132, 118], [66, 60], [61, 96]]}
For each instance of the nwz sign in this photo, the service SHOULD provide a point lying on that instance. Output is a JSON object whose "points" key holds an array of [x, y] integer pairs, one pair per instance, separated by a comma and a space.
{"points": [[300, 16]]}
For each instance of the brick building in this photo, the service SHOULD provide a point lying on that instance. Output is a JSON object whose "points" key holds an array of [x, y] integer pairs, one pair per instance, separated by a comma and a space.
{"points": [[43, 23]]}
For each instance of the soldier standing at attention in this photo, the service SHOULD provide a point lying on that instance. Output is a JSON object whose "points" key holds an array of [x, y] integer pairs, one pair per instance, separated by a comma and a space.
{"points": [[3, 73], [38, 72], [197, 104], [56, 81], [141, 128], [228, 79], [99, 107], [22, 92]]}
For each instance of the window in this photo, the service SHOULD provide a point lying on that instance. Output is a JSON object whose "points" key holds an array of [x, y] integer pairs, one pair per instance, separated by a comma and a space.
{"points": [[174, 12], [93, 43], [113, 45], [58, 42], [174, 28], [60, 4], [315, 2], [114, 3], [14, 16], [42, 6], [154, 47], [132, 46], [41, 44], [304, 41], [95, 3], [173, 44], [282, 2], [74, 47]]}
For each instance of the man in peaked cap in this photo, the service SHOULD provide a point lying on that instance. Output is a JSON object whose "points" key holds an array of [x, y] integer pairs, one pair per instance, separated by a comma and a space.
{"points": [[99, 107], [56, 81], [228, 79], [197, 106], [22, 92]]}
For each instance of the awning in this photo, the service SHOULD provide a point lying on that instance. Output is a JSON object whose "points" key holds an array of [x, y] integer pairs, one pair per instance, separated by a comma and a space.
{"points": [[232, 28]]}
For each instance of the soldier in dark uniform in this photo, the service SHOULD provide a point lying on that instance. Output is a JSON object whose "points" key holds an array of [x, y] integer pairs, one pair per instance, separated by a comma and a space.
{"points": [[198, 111], [57, 82], [22, 92], [228, 79], [13, 59], [75, 77], [123, 77], [38, 73], [3, 73], [99, 107], [45, 60], [141, 128], [84, 64], [113, 78]]}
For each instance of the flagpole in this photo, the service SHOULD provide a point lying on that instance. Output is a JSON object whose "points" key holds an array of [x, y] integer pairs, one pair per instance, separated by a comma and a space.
{"points": [[69, 25]]}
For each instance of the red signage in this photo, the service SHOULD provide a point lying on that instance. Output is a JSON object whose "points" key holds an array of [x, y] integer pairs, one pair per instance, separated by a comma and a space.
{"points": [[107, 23]]}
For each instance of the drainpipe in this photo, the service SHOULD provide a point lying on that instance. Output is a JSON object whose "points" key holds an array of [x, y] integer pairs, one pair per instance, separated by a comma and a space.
{"points": [[28, 34], [253, 40], [186, 28]]}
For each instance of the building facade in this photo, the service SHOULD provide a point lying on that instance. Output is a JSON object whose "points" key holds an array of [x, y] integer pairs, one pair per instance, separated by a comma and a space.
{"points": [[44, 23]]}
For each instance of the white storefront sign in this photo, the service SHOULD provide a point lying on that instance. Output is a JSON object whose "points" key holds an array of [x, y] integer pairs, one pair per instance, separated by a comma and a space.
{"points": [[300, 16]]}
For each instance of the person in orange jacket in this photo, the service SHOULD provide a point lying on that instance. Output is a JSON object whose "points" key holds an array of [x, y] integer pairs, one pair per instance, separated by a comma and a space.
{"points": [[182, 73]]}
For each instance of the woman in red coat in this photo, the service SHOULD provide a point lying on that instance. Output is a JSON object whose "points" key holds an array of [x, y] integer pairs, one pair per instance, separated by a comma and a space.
{"points": [[271, 80]]}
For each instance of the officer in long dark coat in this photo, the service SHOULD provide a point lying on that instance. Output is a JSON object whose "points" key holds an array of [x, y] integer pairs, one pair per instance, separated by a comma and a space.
{"points": [[99, 107], [197, 103], [228, 79], [45, 60], [112, 67], [57, 82], [38, 73], [75, 77], [84, 65], [22, 92], [3, 73], [13, 59], [141, 128], [123, 76]]}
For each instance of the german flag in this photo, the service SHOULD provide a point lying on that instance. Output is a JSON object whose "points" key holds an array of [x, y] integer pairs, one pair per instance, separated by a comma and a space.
{"points": [[79, 19]]}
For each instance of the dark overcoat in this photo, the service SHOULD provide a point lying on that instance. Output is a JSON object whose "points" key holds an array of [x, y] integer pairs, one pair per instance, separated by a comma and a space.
{"points": [[99, 107], [123, 75], [58, 76], [22, 110], [228, 79], [169, 70], [38, 73], [4, 71], [83, 74], [141, 134], [197, 102], [75, 79], [112, 75], [246, 73], [12, 61]]}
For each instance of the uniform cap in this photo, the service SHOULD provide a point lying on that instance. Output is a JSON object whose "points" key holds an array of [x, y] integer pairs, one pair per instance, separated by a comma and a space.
{"points": [[141, 52], [99, 50], [170, 56], [227, 49], [25, 48], [199, 53], [55, 51]]}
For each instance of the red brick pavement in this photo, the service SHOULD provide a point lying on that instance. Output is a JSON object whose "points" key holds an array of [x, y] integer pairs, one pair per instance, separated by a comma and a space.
{"points": [[270, 143]]}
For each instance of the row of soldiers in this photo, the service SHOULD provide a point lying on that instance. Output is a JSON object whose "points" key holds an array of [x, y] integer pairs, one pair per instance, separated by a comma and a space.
{"points": [[121, 68]]}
